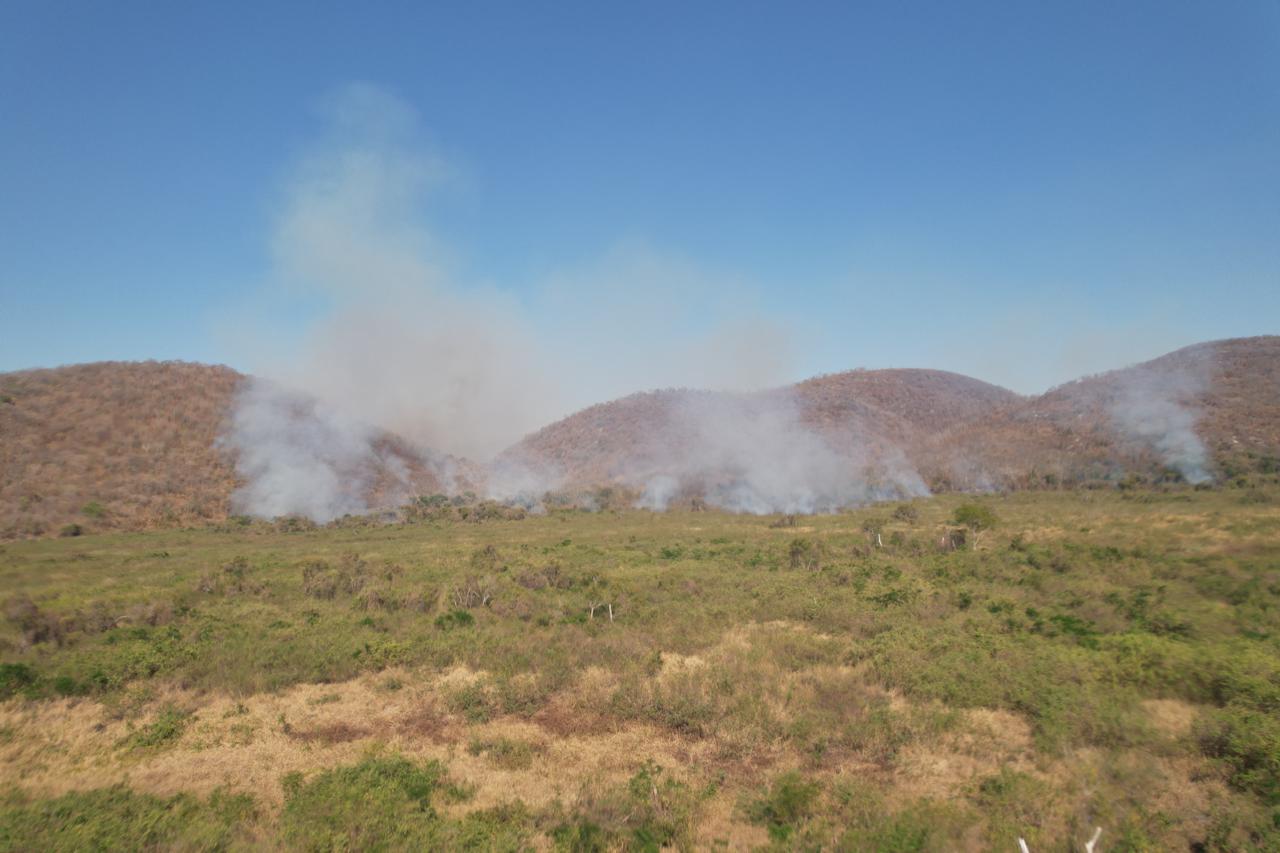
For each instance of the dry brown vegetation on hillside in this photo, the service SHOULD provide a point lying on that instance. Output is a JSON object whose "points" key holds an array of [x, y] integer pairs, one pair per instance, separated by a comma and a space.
{"points": [[960, 433], [113, 445], [1069, 435], [132, 445]]}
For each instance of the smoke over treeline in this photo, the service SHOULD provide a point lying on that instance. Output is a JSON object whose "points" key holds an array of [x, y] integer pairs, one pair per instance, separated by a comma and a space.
{"points": [[1156, 407], [390, 335], [401, 341], [755, 454]]}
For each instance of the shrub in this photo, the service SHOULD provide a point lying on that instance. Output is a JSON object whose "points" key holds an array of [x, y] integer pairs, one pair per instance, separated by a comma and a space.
{"points": [[507, 753], [454, 619], [93, 509], [36, 626], [381, 803], [651, 812], [472, 592], [318, 580], [1247, 741], [167, 727], [789, 801], [15, 677], [804, 554], [473, 702], [976, 517], [906, 512], [119, 819]]}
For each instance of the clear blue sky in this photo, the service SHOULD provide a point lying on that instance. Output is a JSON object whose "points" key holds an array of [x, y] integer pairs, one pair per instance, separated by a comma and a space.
{"points": [[1022, 191]]}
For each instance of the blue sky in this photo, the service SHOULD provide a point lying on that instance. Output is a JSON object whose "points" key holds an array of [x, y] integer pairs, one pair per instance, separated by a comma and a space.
{"points": [[1021, 191]]}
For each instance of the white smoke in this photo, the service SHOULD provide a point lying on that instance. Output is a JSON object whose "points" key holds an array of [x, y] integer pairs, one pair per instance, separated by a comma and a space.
{"points": [[399, 340], [754, 453], [298, 456], [1155, 406]]}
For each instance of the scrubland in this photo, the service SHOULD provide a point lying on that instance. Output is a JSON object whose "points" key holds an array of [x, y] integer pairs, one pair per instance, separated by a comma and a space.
{"points": [[880, 679]]}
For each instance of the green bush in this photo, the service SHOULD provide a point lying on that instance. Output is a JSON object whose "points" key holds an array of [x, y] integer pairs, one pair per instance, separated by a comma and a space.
{"points": [[790, 800], [120, 819], [167, 727], [974, 516], [651, 812], [1247, 741], [15, 677], [383, 803], [454, 619]]}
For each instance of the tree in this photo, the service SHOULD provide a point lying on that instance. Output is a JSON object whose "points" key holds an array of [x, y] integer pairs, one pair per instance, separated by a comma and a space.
{"points": [[978, 518]]}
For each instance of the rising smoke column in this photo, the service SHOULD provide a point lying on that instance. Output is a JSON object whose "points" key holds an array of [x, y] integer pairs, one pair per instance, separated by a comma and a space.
{"points": [[383, 330], [1155, 405], [297, 456]]}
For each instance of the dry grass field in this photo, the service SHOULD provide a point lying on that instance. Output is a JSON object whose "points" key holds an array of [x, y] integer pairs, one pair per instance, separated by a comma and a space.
{"points": [[891, 678]]}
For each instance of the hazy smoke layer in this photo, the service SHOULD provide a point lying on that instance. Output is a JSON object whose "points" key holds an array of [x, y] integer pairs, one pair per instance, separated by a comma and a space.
{"points": [[754, 453], [1156, 407]]}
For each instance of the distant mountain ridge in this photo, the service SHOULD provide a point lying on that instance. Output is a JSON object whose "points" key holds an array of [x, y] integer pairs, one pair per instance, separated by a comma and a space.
{"points": [[118, 445]]}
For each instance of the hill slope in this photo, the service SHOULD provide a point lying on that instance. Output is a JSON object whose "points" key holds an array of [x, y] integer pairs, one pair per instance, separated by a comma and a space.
{"points": [[845, 436], [128, 445], [132, 443], [1208, 409]]}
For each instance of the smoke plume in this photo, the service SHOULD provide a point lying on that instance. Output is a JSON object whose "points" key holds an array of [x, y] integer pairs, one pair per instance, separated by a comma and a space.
{"points": [[297, 456], [1155, 406], [387, 332], [754, 454]]}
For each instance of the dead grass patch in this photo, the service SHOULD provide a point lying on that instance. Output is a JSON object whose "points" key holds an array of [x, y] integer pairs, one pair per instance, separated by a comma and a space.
{"points": [[1171, 717]]}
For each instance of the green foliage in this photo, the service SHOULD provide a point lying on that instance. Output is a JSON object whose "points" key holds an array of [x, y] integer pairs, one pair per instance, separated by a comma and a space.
{"points": [[15, 677], [1104, 600], [651, 812], [975, 516], [906, 512], [166, 728], [389, 802], [454, 619], [1247, 741], [804, 554], [120, 819], [93, 509], [789, 801], [507, 753]]}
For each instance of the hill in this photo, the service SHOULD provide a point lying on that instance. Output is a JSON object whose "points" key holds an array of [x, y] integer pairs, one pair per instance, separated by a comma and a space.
{"points": [[1207, 410], [128, 445], [830, 439], [134, 445], [113, 445]]}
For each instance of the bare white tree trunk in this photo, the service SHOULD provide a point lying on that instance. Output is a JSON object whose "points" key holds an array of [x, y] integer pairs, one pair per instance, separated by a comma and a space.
{"points": [[1088, 845]]}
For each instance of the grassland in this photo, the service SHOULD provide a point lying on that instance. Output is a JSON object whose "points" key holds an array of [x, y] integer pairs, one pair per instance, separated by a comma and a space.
{"points": [[610, 680]]}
